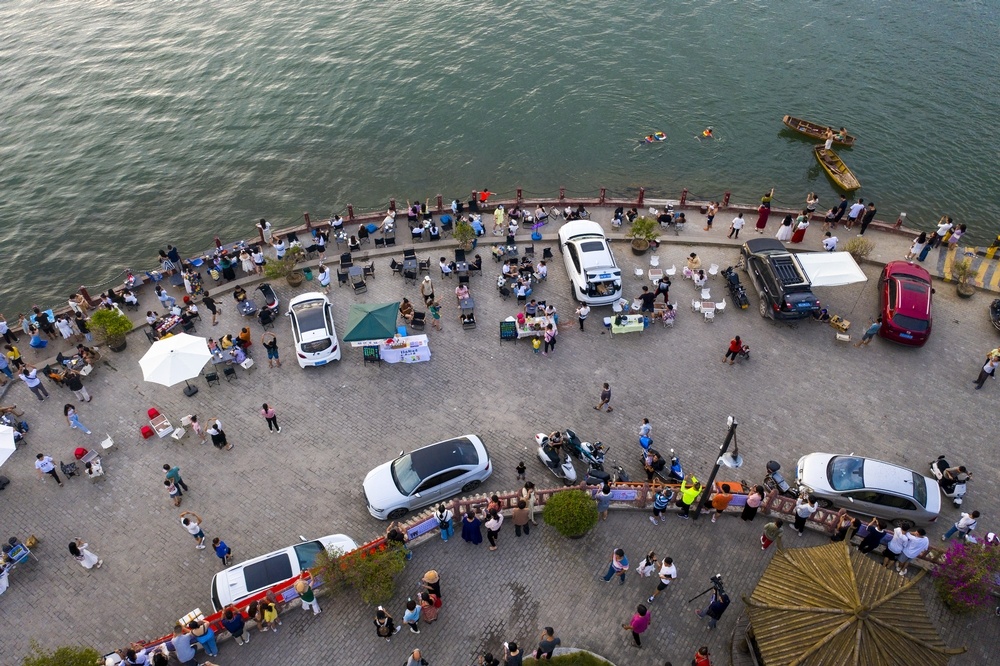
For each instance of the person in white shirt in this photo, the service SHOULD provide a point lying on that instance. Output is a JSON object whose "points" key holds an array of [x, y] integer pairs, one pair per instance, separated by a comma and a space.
{"points": [[541, 270], [855, 212], [734, 228], [804, 508], [944, 226], [916, 544], [965, 524], [668, 572], [830, 242], [445, 267]]}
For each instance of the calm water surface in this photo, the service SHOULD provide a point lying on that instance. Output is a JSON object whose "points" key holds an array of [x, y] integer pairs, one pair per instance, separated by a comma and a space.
{"points": [[128, 125]]}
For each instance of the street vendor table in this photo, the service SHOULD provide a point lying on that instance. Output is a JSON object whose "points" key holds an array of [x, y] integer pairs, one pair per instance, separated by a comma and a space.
{"points": [[533, 326], [408, 349], [633, 324]]}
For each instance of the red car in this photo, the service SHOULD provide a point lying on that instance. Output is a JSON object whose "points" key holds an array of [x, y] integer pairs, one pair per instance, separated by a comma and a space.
{"points": [[905, 303]]}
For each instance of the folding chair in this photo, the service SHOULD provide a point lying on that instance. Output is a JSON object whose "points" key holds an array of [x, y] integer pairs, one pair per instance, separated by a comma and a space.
{"points": [[529, 250], [359, 286], [390, 241], [409, 253], [671, 271], [363, 235], [654, 261], [459, 255], [410, 276], [447, 225], [425, 265], [369, 270], [230, 373], [379, 243], [397, 268], [418, 321], [212, 377], [546, 253], [341, 278]]}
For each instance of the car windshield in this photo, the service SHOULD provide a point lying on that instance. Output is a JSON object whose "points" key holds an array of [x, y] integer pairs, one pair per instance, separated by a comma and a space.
{"points": [[909, 323], [306, 554], [409, 470], [846, 473], [920, 489]]}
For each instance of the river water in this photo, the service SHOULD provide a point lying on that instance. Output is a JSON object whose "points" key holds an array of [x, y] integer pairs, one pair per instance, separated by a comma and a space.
{"points": [[130, 125]]}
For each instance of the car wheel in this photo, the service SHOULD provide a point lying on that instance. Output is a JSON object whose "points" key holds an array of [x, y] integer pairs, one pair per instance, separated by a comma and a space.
{"points": [[396, 514], [907, 525], [824, 503], [470, 486], [763, 305]]}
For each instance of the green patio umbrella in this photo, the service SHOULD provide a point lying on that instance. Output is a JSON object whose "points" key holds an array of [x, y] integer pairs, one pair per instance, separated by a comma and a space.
{"points": [[371, 321]]}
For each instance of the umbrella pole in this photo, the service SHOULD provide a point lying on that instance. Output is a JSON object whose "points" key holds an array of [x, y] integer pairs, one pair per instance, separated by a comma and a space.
{"points": [[189, 390]]}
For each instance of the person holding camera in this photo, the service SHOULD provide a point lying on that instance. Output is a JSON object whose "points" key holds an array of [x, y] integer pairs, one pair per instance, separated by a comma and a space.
{"points": [[511, 654], [718, 605]]}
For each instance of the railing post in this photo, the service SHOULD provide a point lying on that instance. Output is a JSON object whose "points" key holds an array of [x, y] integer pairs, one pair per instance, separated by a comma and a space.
{"points": [[86, 294], [604, 196], [562, 194], [642, 196], [218, 243], [519, 197], [350, 212], [440, 203], [684, 196], [309, 225], [475, 196], [725, 199]]}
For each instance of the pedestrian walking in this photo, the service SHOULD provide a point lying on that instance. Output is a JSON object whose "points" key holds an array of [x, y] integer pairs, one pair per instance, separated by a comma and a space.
{"points": [[521, 469], [872, 538], [805, 507], [416, 659], [582, 313], [639, 624], [528, 495], [547, 643], [434, 309], [772, 531], [512, 654], [193, 526], [205, 635], [987, 371], [550, 340], [493, 524], [445, 518], [690, 489], [73, 419], [603, 498], [870, 332], [385, 626], [667, 574], [521, 518], [210, 305], [472, 530], [917, 246], [716, 607], [304, 588], [430, 604], [617, 567], [965, 524], [735, 346], [713, 208], [867, 218], [916, 545], [217, 434], [222, 551], [78, 549], [173, 473], [754, 500], [232, 620], [269, 611], [737, 224], [29, 375], [75, 384], [44, 465], [412, 616], [431, 583], [661, 500], [647, 565], [270, 343], [605, 398], [701, 657], [720, 501], [663, 287], [198, 429], [271, 417], [173, 492]]}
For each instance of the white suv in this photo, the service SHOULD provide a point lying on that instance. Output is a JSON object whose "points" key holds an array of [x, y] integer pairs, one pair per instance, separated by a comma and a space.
{"points": [[313, 330], [593, 272]]}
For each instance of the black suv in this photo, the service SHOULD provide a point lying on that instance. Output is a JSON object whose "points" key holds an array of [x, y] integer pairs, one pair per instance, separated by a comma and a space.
{"points": [[782, 285]]}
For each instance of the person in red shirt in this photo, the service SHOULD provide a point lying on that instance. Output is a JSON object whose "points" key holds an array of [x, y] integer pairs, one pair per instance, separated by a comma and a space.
{"points": [[701, 657], [735, 345], [639, 624], [484, 195]]}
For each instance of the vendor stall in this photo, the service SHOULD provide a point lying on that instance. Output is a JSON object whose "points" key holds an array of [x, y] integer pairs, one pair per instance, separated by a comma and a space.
{"points": [[629, 324], [405, 349]]}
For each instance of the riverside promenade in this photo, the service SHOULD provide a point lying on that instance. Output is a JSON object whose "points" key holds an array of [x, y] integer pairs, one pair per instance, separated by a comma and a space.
{"points": [[802, 392]]}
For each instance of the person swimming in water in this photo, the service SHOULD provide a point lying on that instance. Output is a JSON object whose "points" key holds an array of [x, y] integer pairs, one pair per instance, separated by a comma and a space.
{"points": [[707, 133]]}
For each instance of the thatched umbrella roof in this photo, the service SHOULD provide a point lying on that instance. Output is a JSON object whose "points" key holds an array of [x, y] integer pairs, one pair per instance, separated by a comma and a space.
{"points": [[832, 606]]}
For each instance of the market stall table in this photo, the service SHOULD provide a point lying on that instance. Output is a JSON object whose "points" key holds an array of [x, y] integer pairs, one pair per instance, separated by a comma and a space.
{"points": [[533, 327], [408, 349], [631, 324]]}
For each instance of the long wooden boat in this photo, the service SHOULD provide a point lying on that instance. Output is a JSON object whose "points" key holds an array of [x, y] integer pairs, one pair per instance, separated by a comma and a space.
{"points": [[815, 131], [835, 168]]}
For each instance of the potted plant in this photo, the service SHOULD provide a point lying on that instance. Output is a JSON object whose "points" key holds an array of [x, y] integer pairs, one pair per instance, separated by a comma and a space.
{"points": [[465, 235], [643, 233], [285, 267], [572, 512], [962, 271], [112, 325]]}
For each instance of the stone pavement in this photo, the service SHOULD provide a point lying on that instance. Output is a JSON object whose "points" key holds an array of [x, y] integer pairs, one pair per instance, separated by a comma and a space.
{"points": [[802, 392]]}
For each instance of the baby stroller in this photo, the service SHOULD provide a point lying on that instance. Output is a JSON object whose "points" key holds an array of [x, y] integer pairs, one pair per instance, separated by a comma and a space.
{"points": [[270, 297]]}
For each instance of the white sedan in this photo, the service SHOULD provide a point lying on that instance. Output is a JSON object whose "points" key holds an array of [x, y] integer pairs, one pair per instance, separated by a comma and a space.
{"points": [[313, 330]]}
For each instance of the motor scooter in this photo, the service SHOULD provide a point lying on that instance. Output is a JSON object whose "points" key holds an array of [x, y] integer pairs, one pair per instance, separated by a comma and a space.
{"points": [[774, 479], [953, 488], [736, 290], [558, 463], [592, 454]]}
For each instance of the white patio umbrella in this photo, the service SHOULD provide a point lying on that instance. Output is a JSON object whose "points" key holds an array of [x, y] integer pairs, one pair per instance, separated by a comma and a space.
{"points": [[175, 359], [6, 443]]}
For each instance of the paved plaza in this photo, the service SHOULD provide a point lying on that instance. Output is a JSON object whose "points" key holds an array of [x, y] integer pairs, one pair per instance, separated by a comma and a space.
{"points": [[802, 391]]}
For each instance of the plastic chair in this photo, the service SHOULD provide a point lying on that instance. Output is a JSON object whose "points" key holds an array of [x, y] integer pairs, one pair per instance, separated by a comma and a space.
{"points": [[152, 413], [710, 315], [713, 270], [695, 305], [654, 260], [107, 443], [721, 307], [638, 272], [671, 271], [706, 294]]}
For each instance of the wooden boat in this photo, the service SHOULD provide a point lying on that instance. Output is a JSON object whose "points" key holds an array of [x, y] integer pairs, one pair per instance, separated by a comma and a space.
{"points": [[836, 169], [815, 131]]}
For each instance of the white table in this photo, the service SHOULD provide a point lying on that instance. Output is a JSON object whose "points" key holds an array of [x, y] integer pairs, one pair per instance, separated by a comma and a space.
{"points": [[416, 350]]}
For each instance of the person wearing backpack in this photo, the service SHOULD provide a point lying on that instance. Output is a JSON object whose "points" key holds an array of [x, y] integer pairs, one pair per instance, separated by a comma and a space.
{"points": [[965, 524]]}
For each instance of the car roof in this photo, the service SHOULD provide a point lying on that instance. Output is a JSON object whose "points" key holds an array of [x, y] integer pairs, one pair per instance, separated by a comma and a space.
{"points": [[444, 455], [913, 294], [886, 476]]}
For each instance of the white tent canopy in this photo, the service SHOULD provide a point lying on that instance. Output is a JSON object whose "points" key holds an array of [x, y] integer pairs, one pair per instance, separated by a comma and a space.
{"points": [[831, 269]]}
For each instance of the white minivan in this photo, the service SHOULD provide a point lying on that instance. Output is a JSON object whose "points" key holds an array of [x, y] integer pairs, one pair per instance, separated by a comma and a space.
{"points": [[593, 272]]}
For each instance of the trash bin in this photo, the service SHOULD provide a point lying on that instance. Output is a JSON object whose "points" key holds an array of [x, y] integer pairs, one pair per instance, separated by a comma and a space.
{"points": [[308, 273]]}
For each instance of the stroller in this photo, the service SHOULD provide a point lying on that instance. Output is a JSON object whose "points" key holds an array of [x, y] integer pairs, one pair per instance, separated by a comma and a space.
{"points": [[270, 298]]}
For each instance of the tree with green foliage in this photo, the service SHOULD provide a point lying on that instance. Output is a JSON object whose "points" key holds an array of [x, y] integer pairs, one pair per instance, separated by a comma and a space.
{"points": [[372, 573]]}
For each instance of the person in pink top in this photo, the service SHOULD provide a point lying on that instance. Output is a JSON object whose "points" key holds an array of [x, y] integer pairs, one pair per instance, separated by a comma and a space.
{"points": [[271, 417], [639, 624]]}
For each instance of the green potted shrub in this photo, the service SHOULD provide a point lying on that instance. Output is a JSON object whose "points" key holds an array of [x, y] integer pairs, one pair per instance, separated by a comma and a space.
{"points": [[572, 512], [643, 233], [465, 235], [961, 271], [112, 325], [859, 248], [286, 267], [371, 572]]}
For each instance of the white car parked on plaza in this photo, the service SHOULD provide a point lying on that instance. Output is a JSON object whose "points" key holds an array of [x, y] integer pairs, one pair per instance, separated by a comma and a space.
{"points": [[313, 330], [593, 272]]}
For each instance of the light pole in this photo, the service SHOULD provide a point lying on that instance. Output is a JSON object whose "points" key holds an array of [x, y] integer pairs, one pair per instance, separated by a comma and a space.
{"points": [[734, 461]]}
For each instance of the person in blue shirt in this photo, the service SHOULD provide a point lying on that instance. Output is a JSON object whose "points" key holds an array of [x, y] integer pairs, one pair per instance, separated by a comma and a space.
{"points": [[224, 552]]}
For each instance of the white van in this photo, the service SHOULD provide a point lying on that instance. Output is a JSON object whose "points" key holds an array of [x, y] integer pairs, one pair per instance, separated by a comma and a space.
{"points": [[593, 272]]}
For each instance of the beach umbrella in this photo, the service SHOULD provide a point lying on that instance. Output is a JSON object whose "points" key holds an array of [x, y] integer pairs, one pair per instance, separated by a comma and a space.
{"points": [[371, 321], [7, 446], [175, 359]]}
